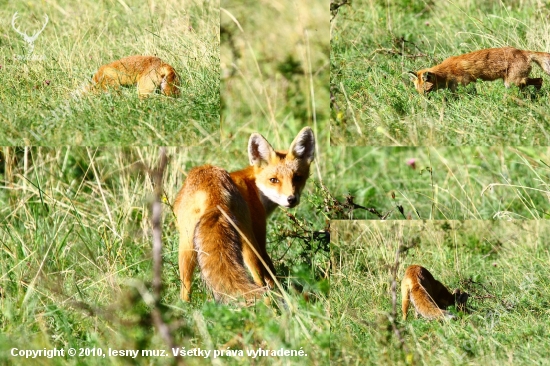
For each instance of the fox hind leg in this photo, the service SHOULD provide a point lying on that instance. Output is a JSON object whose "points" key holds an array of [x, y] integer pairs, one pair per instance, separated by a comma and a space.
{"points": [[147, 85], [109, 78], [404, 300], [187, 263]]}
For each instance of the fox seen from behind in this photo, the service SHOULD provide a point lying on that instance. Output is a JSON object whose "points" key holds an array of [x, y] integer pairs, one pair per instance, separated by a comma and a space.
{"points": [[208, 238], [507, 63], [148, 73], [430, 297]]}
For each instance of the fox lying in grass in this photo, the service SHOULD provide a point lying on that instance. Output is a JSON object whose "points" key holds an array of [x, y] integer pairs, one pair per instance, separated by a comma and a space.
{"points": [[430, 297], [248, 196], [506, 63], [149, 73]]}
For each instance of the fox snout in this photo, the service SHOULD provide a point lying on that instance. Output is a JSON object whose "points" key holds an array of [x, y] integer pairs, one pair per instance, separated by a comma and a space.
{"points": [[293, 200], [280, 193], [290, 192], [422, 80]]}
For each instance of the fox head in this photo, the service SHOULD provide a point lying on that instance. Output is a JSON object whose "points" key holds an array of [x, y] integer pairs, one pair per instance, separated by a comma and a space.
{"points": [[281, 175], [170, 82], [457, 297], [460, 299], [424, 81]]}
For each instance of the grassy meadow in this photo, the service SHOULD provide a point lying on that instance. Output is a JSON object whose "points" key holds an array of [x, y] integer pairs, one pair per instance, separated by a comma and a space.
{"points": [[461, 183], [76, 263], [76, 228], [375, 43], [275, 69], [37, 106], [502, 265]]}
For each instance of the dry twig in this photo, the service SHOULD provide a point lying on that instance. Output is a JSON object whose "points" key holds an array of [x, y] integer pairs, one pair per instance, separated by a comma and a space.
{"points": [[156, 314]]}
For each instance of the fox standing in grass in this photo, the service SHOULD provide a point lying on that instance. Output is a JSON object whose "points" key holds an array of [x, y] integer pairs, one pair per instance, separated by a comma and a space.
{"points": [[248, 196], [430, 297], [149, 73], [506, 63]]}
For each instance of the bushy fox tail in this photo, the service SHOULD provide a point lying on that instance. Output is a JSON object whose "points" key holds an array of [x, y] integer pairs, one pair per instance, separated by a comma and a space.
{"points": [[219, 253], [542, 59], [425, 305]]}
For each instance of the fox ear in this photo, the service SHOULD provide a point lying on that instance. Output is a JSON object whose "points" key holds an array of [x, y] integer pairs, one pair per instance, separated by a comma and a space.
{"points": [[427, 76], [413, 75], [260, 151], [303, 146], [461, 297]]}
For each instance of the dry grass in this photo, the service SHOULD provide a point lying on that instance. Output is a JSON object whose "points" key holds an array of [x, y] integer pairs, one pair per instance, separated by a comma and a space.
{"points": [[274, 61]]}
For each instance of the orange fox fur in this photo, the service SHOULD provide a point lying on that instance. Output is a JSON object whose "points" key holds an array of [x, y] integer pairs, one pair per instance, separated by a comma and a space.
{"points": [[248, 196], [506, 63], [149, 73], [430, 297]]}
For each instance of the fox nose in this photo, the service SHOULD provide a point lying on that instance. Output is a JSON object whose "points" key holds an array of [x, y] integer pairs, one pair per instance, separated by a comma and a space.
{"points": [[292, 200]]}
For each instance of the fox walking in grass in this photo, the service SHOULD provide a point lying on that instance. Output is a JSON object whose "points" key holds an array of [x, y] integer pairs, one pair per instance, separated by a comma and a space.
{"points": [[430, 297], [149, 73], [247, 197], [506, 63]]}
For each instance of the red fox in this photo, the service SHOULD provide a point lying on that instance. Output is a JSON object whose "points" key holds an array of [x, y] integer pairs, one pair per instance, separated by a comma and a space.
{"points": [[506, 63], [430, 297], [149, 73], [248, 196]]}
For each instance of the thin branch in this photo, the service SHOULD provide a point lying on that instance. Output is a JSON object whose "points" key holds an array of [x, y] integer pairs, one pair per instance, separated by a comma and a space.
{"points": [[157, 175], [393, 315], [156, 314], [390, 51]]}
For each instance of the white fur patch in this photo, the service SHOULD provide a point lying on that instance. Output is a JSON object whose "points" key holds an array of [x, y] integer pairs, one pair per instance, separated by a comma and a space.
{"points": [[273, 198]]}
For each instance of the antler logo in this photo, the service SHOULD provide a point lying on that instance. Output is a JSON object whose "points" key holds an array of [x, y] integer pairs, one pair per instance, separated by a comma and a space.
{"points": [[30, 40]]}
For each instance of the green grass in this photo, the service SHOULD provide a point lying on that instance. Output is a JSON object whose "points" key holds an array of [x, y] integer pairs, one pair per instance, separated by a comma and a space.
{"points": [[373, 45], [36, 102], [446, 183], [275, 68], [502, 265], [75, 262], [75, 231], [76, 241]]}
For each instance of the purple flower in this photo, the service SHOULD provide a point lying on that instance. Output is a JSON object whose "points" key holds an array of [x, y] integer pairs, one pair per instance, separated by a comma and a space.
{"points": [[412, 163]]}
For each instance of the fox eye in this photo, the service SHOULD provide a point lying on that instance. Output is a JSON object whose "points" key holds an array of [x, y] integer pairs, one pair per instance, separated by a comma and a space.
{"points": [[274, 180]]}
